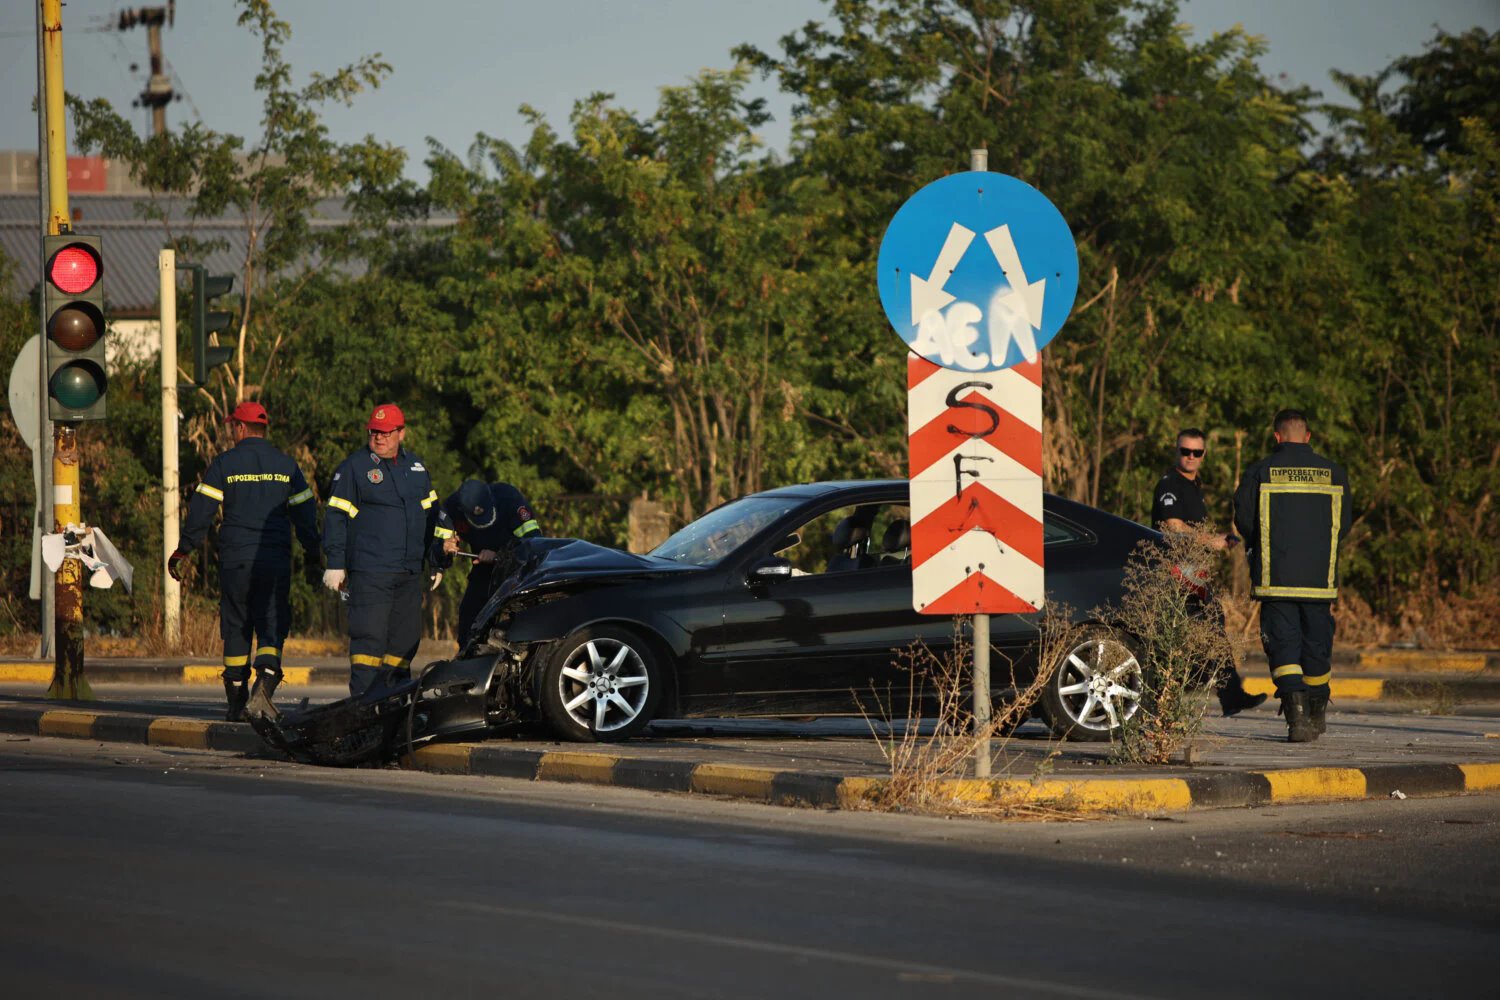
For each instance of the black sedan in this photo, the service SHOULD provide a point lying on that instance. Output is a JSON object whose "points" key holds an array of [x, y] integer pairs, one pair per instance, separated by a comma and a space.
{"points": [[790, 602]]}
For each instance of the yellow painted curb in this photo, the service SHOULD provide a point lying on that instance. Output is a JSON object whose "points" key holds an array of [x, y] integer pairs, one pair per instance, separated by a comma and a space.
{"points": [[1339, 688], [854, 793], [1480, 776], [1427, 663], [567, 765], [1111, 795], [1315, 783], [26, 673], [731, 779], [197, 673], [79, 725], [314, 647], [445, 758], [188, 733]]}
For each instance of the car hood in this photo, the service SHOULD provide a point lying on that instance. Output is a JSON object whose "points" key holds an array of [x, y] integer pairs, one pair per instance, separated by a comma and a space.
{"points": [[554, 562]]}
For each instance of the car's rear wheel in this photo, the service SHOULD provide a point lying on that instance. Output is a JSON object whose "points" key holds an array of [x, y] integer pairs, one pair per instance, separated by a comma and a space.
{"points": [[601, 684], [1095, 689]]}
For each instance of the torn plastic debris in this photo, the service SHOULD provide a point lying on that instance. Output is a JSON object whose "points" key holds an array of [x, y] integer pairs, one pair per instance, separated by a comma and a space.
{"points": [[91, 547]]}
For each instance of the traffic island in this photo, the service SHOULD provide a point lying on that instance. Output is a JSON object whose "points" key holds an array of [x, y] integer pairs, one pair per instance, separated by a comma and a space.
{"points": [[708, 767]]}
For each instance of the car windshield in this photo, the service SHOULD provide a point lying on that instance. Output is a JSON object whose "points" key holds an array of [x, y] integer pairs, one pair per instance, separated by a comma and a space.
{"points": [[722, 530]]}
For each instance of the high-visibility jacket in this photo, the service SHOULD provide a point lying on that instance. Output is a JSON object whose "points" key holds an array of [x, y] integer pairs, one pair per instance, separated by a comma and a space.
{"points": [[380, 514], [264, 496], [1293, 508]]}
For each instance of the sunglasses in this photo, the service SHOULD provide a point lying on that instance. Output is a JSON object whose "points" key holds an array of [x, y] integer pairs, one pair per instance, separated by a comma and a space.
{"points": [[1190, 452]]}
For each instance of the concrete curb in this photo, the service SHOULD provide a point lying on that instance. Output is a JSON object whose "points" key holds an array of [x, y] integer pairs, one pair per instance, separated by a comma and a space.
{"points": [[800, 788]]}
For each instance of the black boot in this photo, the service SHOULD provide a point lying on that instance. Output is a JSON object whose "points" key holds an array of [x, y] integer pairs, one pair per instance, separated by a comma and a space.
{"points": [[260, 703], [1317, 710], [1298, 726], [237, 693], [1234, 699]]}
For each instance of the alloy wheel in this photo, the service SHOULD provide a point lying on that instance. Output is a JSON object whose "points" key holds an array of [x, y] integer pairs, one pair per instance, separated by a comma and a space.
{"points": [[1099, 684], [603, 685]]}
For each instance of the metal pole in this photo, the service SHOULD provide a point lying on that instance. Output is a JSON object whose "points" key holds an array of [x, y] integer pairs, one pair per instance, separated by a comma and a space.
{"points": [[166, 264], [68, 681], [979, 159], [43, 457]]}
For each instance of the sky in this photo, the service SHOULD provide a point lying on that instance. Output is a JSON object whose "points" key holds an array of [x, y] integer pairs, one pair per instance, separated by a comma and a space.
{"points": [[471, 66]]}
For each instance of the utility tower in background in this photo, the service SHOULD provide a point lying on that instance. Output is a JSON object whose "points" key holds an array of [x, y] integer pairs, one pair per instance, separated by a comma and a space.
{"points": [[158, 93]]}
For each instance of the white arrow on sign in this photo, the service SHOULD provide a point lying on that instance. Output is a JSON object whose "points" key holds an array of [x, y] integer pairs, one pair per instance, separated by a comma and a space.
{"points": [[927, 294], [1014, 313]]}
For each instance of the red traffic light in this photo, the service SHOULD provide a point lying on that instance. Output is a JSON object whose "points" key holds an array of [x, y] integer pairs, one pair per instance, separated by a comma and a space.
{"points": [[74, 269]]}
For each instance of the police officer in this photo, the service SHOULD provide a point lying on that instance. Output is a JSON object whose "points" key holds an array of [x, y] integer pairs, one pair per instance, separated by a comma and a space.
{"points": [[264, 496], [490, 519], [1293, 508], [381, 512], [1178, 505]]}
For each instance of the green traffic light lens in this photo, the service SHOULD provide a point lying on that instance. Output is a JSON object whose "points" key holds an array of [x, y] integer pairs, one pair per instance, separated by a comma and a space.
{"points": [[77, 386], [74, 327]]}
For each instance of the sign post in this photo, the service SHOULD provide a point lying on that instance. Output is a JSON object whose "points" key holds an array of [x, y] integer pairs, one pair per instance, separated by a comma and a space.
{"points": [[977, 273]]}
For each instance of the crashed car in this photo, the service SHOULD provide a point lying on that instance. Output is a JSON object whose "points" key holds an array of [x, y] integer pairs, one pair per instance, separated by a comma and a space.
{"points": [[788, 602]]}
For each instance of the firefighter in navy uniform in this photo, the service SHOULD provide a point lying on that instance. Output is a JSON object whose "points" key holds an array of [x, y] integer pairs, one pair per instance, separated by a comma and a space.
{"points": [[380, 516], [1293, 508], [490, 520], [264, 496], [1177, 505]]}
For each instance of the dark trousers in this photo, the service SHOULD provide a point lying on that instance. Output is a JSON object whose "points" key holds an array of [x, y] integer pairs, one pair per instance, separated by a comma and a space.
{"points": [[475, 595], [253, 601], [385, 626], [1298, 639]]}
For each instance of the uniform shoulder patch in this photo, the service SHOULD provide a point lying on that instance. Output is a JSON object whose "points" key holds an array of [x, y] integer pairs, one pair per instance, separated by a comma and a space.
{"points": [[418, 467], [375, 476], [523, 513], [336, 476], [1168, 499]]}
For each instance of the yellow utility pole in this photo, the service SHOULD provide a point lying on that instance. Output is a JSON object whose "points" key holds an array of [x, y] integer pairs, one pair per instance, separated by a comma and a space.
{"points": [[68, 681]]}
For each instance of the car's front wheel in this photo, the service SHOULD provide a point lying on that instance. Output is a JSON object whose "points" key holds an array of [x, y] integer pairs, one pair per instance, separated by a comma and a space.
{"points": [[1096, 687], [601, 684]]}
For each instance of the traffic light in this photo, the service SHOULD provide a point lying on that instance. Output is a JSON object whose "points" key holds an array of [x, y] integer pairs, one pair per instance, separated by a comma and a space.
{"points": [[73, 302], [209, 322]]}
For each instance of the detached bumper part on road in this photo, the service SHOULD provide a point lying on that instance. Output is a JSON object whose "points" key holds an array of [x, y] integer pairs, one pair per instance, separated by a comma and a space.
{"points": [[450, 698]]}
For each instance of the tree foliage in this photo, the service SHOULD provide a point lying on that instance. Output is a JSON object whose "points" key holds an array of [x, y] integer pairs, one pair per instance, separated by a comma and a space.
{"points": [[652, 302]]}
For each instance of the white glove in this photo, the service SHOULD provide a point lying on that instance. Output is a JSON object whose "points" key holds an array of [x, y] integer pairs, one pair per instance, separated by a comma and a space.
{"points": [[437, 578], [333, 579]]}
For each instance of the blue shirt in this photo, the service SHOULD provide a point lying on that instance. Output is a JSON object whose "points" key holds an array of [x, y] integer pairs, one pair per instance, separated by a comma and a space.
{"points": [[264, 496]]}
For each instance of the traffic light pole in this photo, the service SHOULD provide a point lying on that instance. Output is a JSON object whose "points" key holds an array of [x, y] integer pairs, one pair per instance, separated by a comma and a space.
{"points": [[68, 681], [166, 263], [44, 517]]}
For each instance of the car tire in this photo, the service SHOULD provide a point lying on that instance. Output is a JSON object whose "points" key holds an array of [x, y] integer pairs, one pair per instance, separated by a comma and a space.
{"points": [[1096, 686], [601, 684]]}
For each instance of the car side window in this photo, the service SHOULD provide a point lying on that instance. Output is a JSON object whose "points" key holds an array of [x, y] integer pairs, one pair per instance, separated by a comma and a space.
{"points": [[850, 538], [1059, 532]]}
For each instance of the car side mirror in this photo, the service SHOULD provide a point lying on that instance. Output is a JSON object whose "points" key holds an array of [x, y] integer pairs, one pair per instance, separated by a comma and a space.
{"points": [[770, 569], [788, 542]]}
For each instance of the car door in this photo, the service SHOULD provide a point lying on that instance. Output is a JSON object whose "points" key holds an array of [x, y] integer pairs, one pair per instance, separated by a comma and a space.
{"points": [[826, 639]]}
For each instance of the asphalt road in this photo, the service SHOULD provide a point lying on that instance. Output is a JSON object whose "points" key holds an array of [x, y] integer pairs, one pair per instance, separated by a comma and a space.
{"points": [[131, 871]]}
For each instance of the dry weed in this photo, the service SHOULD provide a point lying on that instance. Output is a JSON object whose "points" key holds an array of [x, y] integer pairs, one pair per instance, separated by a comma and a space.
{"points": [[927, 761], [1181, 643]]}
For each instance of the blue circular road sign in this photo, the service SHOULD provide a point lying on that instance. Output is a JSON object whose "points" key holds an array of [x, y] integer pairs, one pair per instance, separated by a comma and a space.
{"points": [[978, 271]]}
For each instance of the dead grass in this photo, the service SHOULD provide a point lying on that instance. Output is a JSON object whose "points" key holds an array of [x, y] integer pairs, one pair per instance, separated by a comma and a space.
{"points": [[1182, 649], [927, 761], [1424, 620]]}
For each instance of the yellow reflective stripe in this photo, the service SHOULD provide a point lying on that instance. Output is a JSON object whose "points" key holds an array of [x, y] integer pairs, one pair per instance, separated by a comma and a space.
{"points": [[429, 499], [339, 503], [1290, 668], [364, 660], [441, 532], [391, 660], [297, 498], [1318, 679], [526, 529], [269, 651], [1319, 593], [236, 661], [209, 491]]}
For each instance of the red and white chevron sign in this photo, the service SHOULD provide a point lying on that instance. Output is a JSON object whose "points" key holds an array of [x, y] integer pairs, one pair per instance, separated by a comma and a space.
{"points": [[975, 442]]}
